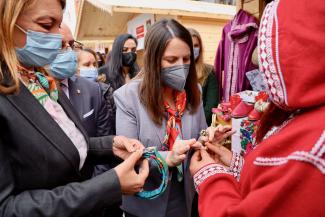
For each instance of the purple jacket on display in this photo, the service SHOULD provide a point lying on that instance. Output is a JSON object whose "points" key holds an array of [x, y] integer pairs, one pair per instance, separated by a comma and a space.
{"points": [[233, 58]]}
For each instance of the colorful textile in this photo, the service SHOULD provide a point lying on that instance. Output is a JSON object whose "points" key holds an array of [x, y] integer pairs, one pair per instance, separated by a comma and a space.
{"points": [[153, 155], [221, 115], [174, 120], [248, 135], [41, 86]]}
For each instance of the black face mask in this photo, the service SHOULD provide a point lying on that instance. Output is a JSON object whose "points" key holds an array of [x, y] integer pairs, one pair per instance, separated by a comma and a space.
{"points": [[100, 63], [128, 59]]}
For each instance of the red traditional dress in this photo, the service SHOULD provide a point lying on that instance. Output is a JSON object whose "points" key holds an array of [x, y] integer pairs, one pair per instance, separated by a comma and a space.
{"points": [[285, 174]]}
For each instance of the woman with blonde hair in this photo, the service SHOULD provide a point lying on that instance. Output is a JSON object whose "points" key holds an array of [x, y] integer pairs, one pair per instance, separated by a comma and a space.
{"points": [[206, 77], [45, 155]]}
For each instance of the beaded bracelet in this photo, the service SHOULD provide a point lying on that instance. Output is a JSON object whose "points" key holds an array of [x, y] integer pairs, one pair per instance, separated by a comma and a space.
{"points": [[154, 157]]}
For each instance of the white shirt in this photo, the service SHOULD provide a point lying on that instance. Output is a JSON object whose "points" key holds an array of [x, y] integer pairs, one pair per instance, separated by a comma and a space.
{"points": [[69, 128]]}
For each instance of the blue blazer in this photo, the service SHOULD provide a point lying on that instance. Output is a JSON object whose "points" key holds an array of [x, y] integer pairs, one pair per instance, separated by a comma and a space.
{"points": [[87, 99]]}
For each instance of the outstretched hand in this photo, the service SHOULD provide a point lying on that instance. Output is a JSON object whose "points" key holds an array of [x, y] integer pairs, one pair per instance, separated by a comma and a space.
{"points": [[216, 135], [178, 154]]}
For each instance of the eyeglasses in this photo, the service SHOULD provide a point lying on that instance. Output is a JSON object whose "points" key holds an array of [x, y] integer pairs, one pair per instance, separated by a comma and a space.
{"points": [[73, 44]]}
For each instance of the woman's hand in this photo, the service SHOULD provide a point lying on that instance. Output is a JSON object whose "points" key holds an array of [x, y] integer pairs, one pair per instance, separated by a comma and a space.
{"points": [[123, 146], [176, 156], [200, 159], [220, 154], [130, 181], [216, 135]]}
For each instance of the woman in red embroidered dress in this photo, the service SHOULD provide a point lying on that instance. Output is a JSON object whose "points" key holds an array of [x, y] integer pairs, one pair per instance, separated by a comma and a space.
{"points": [[285, 174]]}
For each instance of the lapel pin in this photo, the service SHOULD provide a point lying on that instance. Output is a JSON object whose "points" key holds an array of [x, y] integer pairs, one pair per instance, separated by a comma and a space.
{"points": [[78, 91]]}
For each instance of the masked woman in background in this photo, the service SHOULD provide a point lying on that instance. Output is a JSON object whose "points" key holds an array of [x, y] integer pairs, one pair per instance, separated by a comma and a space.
{"points": [[206, 77], [120, 67]]}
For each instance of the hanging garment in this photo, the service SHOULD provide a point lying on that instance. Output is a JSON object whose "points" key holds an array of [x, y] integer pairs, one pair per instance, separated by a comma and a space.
{"points": [[234, 54]]}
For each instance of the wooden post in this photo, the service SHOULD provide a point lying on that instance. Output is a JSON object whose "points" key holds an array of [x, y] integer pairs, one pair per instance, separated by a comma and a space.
{"points": [[239, 4], [254, 7]]}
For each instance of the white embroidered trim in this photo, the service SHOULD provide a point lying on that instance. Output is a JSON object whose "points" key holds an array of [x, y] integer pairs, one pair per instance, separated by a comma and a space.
{"points": [[207, 171], [271, 75], [230, 64], [234, 72], [232, 75], [229, 73], [319, 148], [243, 26], [313, 157], [236, 165], [277, 53]]}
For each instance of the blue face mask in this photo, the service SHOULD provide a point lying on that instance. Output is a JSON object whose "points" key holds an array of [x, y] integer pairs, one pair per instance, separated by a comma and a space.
{"points": [[89, 73], [196, 52], [40, 48], [64, 66]]}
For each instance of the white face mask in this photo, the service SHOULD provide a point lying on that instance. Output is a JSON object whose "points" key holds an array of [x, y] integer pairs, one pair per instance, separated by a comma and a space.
{"points": [[196, 52]]}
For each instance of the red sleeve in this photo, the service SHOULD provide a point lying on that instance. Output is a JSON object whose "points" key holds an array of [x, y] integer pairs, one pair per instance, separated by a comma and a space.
{"points": [[293, 189]]}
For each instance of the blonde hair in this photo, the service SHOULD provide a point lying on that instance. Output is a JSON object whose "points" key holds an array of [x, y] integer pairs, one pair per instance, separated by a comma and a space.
{"points": [[202, 72], [9, 12]]}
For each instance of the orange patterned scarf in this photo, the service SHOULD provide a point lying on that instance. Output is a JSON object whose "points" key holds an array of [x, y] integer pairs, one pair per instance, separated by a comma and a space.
{"points": [[174, 120]]}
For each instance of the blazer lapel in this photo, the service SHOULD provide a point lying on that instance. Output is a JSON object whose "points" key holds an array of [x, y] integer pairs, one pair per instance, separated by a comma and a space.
{"points": [[187, 133], [160, 131], [35, 113], [74, 95], [72, 114], [187, 126]]}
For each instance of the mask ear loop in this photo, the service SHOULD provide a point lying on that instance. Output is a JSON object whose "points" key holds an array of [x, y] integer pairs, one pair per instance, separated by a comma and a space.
{"points": [[21, 29]]}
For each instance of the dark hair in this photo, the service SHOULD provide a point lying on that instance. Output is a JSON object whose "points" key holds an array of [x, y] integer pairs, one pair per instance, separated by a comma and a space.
{"points": [[101, 58], [115, 66], [63, 3], [151, 94], [108, 57], [91, 52], [274, 116]]}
